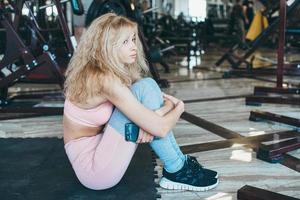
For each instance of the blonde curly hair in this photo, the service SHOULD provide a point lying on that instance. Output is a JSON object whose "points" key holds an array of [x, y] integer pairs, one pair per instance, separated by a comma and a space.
{"points": [[96, 60]]}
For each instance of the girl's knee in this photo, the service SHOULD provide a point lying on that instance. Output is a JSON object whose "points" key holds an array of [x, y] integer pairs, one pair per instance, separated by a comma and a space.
{"points": [[148, 80], [148, 93], [145, 84]]}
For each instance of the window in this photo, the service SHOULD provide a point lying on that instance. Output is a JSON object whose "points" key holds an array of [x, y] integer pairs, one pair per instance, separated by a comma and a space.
{"points": [[197, 8]]}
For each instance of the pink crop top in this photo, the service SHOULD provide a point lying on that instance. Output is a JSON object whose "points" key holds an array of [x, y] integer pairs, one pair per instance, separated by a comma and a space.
{"points": [[94, 117]]}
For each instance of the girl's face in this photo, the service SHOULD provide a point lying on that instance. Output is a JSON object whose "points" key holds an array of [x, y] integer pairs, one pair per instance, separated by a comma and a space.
{"points": [[128, 50]]}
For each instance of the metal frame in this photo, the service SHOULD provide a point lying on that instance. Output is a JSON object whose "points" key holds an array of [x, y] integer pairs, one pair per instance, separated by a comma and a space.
{"points": [[258, 100], [17, 50], [248, 192], [214, 128], [248, 141], [263, 71], [279, 89], [233, 137], [273, 153], [262, 115], [236, 60], [215, 98], [153, 70]]}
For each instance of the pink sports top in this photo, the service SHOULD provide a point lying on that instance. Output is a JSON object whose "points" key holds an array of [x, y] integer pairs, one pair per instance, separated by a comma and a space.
{"points": [[94, 117]]}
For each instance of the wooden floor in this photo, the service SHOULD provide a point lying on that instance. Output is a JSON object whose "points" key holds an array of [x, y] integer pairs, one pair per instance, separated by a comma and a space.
{"points": [[236, 164]]}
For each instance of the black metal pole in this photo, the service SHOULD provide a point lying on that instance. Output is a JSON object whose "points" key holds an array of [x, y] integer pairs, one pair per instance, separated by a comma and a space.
{"points": [[64, 27], [152, 68], [280, 51]]}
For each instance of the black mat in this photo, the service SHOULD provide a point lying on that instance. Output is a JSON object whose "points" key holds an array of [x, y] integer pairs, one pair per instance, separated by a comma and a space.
{"points": [[39, 169]]}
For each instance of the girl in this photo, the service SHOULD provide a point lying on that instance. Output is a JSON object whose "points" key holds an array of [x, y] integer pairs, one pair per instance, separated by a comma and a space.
{"points": [[104, 91]]}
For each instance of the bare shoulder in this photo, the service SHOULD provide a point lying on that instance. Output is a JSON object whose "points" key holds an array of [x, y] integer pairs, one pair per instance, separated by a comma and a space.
{"points": [[112, 86]]}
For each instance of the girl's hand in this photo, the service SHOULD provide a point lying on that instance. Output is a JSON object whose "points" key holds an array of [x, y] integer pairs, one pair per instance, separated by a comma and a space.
{"points": [[171, 98], [168, 102], [144, 137], [180, 107]]}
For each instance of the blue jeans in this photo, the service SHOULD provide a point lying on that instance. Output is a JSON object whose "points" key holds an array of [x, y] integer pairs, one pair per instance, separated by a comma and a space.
{"points": [[149, 94]]}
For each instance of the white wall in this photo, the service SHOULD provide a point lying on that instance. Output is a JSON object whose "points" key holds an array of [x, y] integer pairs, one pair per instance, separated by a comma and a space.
{"points": [[181, 6]]}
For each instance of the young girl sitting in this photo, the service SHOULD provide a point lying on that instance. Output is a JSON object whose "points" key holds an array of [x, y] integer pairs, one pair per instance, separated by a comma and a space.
{"points": [[104, 91]]}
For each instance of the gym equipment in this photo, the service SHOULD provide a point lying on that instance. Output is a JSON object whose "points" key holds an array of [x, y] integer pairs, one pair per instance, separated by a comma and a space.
{"points": [[161, 82], [234, 137], [288, 71], [248, 192], [156, 53], [186, 37], [41, 36], [274, 153], [236, 60], [100, 7], [262, 115], [76, 5], [261, 93], [258, 24], [247, 141], [21, 59], [16, 50], [258, 100], [221, 131]]}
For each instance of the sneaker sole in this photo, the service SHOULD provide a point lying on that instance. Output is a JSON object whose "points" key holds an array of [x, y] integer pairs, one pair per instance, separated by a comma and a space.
{"points": [[217, 175], [167, 184]]}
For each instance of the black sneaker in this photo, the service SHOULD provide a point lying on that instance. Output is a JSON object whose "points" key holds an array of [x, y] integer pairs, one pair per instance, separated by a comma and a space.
{"points": [[187, 178], [193, 162]]}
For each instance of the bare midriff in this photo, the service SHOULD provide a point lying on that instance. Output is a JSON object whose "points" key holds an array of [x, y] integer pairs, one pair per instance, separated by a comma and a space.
{"points": [[73, 130]]}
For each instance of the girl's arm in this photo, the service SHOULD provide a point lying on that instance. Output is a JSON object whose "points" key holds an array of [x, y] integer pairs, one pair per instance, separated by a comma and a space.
{"points": [[121, 97], [167, 107]]}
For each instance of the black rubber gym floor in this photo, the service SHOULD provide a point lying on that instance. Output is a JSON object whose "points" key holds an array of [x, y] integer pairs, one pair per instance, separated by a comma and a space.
{"points": [[38, 168]]}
